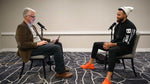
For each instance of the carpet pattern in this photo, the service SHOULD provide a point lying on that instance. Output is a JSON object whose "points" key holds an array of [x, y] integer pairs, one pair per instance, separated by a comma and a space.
{"points": [[10, 67]]}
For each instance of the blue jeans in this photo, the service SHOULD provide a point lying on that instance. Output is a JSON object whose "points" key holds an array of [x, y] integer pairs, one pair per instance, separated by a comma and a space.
{"points": [[52, 49]]}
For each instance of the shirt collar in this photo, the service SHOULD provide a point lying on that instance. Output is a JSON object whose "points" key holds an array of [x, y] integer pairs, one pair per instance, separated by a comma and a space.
{"points": [[29, 25]]}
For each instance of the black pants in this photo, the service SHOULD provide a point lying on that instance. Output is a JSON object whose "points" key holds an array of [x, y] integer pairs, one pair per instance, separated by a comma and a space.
{"points": [[113, 53], [52, 49]]}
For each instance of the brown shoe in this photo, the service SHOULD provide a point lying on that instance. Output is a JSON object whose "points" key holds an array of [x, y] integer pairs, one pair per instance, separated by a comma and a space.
{"points": [[64, 75], [67, 70]]}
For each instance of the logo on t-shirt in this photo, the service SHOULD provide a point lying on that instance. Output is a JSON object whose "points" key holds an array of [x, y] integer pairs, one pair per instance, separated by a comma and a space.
{"points": [[128, 30]]}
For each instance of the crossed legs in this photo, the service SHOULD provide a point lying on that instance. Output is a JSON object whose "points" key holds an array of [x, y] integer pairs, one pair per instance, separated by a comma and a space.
{"points": [[113, 53]]}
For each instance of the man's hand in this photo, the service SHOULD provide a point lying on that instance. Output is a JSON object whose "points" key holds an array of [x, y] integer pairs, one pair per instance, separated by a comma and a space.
{"points": [[42, 43], [55, 40], [107, 45]]}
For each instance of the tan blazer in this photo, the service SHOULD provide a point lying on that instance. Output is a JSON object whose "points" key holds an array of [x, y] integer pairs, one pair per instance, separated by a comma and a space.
{"points": [[25, 43]]}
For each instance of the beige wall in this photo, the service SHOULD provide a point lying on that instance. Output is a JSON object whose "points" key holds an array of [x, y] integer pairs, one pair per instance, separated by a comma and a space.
{"points": [[73, 16], [0, 39], [0, 43], [79, 42]]}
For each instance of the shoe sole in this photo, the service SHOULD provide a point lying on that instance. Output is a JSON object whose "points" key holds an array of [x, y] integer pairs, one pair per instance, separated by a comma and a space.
{"points": [[87, 68]]}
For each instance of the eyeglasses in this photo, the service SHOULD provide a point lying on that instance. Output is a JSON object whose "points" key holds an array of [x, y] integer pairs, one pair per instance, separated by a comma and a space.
{"points": [[31, 16]]}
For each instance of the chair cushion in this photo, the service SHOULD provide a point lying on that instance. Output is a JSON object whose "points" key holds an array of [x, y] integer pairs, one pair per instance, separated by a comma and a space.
{"points": [[38, 57], [126, 56]]}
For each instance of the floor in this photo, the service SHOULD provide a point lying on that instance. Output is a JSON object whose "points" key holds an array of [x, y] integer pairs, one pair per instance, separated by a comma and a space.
{"points": [[10, 67]]}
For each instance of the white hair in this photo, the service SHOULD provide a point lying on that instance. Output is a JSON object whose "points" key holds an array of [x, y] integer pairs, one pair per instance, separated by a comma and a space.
{"points": [[27, 11]]}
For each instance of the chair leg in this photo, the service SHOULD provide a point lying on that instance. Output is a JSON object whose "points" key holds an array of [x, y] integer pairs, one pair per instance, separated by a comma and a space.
{"points": [[106, 60], [50, 64], [133, 67], [22, 70], [44, 69], [123, 64], [31, 64], [105, 65], [50, 68]]}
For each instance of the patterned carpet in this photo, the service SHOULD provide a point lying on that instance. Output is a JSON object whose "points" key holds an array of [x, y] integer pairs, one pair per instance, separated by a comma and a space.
{"points": [[10, 67]]}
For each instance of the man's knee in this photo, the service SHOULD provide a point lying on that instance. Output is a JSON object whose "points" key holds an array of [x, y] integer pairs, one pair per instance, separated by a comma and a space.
{"points": [[96, 44], [59, 43], [57, 47]]}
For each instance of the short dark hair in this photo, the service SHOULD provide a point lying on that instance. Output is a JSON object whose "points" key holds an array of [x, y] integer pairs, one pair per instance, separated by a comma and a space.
{"points": [[120, 9]]}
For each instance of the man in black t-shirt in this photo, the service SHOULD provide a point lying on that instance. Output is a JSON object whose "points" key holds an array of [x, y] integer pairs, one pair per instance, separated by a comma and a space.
{"points": [[122, 42]]}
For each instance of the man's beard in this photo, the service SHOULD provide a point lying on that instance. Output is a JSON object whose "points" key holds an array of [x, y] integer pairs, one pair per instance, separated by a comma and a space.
{"points": [[120, 20]]}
